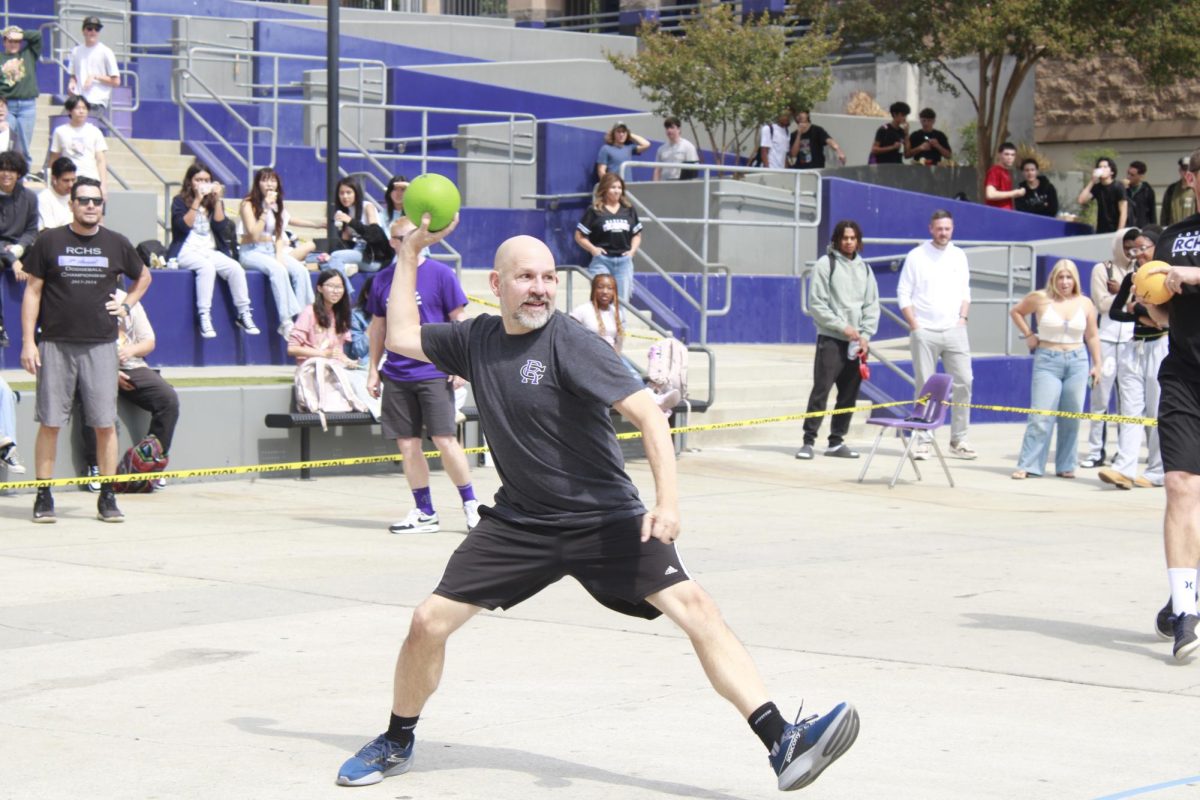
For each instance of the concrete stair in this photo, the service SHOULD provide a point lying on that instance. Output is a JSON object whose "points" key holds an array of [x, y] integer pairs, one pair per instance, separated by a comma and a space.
{"points": [[163, 154]]}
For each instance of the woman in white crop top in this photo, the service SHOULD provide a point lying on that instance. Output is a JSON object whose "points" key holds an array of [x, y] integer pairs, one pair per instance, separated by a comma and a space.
{"points": [[1065, 320]]}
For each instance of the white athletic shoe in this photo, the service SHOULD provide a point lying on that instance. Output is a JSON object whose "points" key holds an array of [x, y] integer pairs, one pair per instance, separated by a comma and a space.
{"points": [[416, 522], [471, 510]]}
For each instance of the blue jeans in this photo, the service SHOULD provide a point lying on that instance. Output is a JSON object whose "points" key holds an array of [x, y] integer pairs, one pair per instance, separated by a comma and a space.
{"points": [[8, 412], [291, 285], [24, 114], [620, 267], [1059, 384]]}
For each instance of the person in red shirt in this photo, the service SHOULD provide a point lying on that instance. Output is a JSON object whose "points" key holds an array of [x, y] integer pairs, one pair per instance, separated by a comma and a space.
{"points": [[998, 188]]}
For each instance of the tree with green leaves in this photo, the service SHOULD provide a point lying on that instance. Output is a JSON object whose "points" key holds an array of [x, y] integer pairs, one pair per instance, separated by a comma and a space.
{"points": [[1005, 39], [726, 77]]}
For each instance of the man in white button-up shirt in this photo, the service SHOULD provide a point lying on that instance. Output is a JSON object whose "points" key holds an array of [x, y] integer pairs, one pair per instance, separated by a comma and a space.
{"points": [[935, 296]]}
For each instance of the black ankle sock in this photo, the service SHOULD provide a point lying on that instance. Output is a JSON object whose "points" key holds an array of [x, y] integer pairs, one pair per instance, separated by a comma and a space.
{"points": [[400, 729], [768, 724]]}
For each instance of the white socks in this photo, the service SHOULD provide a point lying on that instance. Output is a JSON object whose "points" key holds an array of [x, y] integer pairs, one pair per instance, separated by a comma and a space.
{"points": [[1183, 590]]}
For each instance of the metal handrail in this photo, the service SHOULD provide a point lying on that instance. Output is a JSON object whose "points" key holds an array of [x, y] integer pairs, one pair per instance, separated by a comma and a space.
{"points": [[182, 74], [377, 159], [357, 66], [812, 208]]}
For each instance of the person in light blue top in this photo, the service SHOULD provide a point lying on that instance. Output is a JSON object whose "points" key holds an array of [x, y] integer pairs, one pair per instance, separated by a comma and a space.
{"points": [[620, 145]]}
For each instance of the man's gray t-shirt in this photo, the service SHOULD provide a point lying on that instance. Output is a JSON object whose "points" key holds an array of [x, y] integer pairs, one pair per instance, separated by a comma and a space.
{"points": [[544, 400]]}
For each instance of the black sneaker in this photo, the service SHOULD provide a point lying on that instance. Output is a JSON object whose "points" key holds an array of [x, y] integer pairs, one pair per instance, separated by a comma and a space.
{"points": [[805, 453], [106, 507], [245, 321], [812, 744], [92, 486], [1164, 622], [43, 506], [1186, 640]]}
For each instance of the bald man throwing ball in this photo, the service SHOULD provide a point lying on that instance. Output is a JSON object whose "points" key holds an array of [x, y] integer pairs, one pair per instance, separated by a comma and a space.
{"points": [[565, 507]]}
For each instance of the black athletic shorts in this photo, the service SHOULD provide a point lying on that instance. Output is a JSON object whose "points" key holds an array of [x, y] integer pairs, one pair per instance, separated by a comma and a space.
{"points": [[499, 565], [1179, 424]]}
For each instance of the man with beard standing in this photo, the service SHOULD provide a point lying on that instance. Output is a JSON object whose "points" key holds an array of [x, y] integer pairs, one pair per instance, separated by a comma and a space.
{"points": [[544, 386], [71, 294]]}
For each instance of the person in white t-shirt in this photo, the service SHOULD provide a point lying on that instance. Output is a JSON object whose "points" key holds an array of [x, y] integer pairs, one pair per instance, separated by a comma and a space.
{"points": [[54, 202], [934, 294], [601, 315], [82, 142], [677, 149], [774, 141], [93, 68]]}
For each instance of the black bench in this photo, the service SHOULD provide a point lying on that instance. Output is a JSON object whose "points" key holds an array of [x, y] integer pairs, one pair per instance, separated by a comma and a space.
{"points": [[306, 421]]}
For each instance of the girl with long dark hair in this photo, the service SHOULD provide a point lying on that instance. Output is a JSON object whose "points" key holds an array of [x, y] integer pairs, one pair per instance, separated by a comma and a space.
{"points": [[197, 216], [361, 241], [323, 328]]}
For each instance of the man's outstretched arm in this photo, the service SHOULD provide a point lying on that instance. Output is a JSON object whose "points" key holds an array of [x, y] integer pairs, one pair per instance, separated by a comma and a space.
{"points": [[403, 320]]}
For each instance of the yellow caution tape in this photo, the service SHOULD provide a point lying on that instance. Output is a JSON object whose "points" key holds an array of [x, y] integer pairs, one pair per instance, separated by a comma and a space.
{"points": [[1045, 412], [212, 472]]}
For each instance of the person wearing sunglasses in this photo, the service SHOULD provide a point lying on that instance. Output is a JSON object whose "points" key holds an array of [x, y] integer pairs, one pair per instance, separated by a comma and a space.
{"points": [[93, 68], [74, 273], [1137, 381]]}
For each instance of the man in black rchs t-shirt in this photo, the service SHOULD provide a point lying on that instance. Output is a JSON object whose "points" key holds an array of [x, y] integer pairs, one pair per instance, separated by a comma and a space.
{"points": [[74, 272], [1179, 421]]}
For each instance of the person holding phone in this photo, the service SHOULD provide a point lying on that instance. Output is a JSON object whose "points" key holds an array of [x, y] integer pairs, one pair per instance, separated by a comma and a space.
{"points": [[1112, 209], [200, 246], [1066, 319]]}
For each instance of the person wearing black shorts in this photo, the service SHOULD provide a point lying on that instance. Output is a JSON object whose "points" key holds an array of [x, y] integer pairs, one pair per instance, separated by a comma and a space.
{"points": [[1179, 421], [544, 387]]}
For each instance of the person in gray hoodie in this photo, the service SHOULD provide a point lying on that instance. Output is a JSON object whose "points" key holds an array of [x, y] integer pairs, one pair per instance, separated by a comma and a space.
{"points": [[844, 302]]}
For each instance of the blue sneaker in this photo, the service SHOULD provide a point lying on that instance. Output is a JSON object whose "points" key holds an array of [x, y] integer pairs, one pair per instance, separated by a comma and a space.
{"points": [[378, 759], [812, 744]]}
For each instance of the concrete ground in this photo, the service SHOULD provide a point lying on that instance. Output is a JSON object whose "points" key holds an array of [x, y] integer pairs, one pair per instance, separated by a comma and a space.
{"points": [[236, 640]]}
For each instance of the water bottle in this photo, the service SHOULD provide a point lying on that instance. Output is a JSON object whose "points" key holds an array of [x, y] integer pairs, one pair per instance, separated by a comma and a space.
{"points": [[852, 351]]}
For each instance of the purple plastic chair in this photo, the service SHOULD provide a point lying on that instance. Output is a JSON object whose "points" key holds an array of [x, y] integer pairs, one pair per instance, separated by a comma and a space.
{"points": [[926, 416]]}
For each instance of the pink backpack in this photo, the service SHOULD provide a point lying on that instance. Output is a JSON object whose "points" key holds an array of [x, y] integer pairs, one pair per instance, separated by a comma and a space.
{"points": [[323, 387], [666, 366]]}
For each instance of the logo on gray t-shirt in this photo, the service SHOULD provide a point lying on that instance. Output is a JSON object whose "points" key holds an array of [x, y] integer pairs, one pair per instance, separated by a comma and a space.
{"points": [[532, 372]]}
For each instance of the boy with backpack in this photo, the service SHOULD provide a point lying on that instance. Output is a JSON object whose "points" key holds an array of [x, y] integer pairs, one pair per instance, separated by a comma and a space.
{"points": [[844, 302]]}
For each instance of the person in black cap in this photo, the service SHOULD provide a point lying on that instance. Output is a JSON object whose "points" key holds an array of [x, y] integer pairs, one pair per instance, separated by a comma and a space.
{"points": [[93, 68]]}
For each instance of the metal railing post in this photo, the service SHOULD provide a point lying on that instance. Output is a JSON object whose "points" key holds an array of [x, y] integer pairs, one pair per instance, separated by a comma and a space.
{"points": [[424, 142]]}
